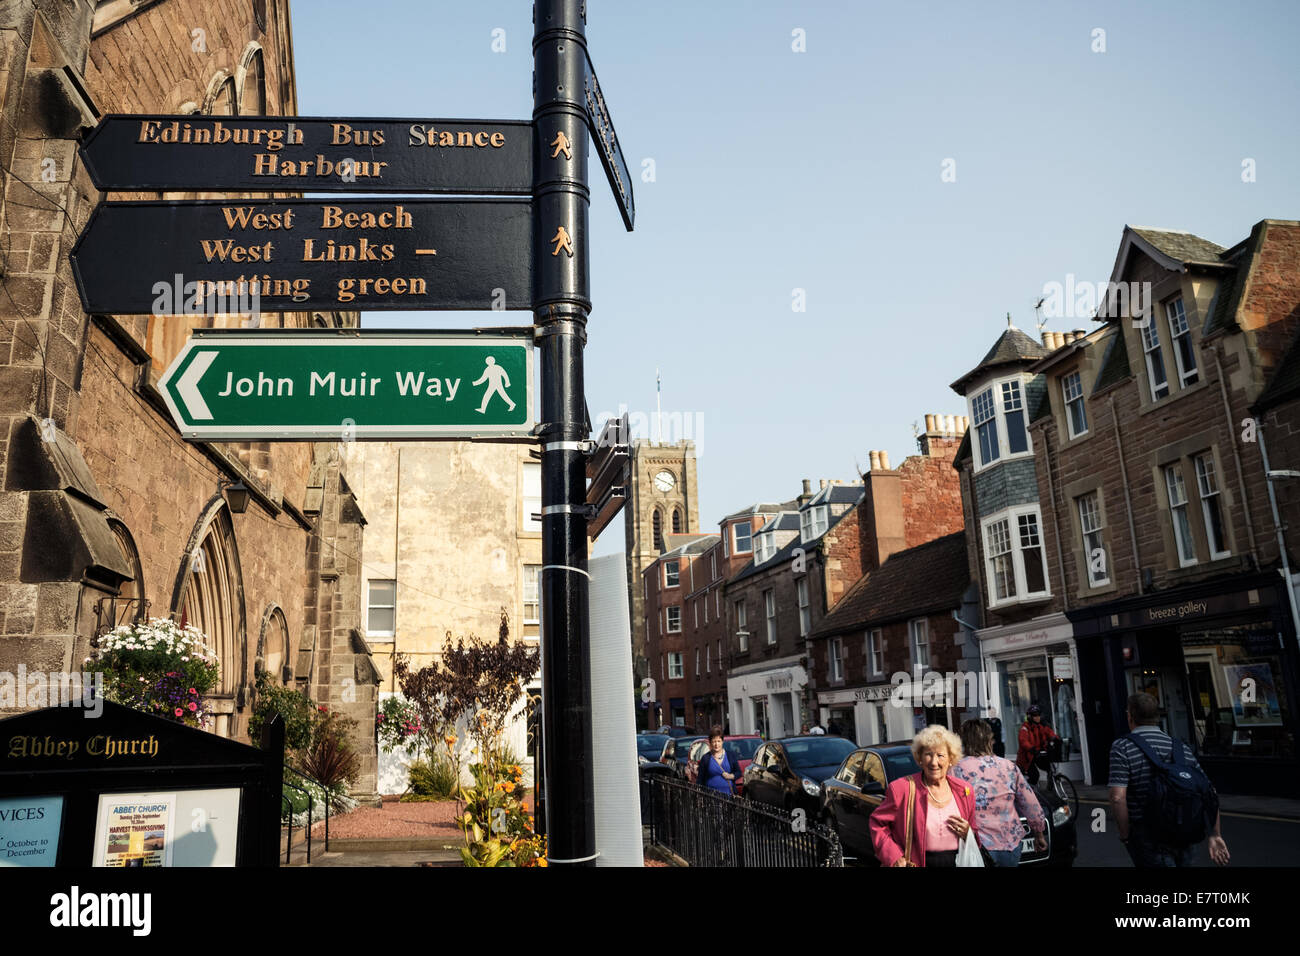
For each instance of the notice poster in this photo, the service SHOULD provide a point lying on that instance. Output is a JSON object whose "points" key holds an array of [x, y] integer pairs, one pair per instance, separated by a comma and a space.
{"points": [[1254, 695], [29, 830], [135, 829]]}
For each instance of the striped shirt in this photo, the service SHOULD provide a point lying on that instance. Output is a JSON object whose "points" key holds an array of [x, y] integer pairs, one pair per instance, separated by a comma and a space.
{"points": [[1130, 768]]}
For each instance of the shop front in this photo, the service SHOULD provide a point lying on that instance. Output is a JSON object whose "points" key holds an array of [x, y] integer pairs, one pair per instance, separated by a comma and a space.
{"points": [[1035, 662], [766, 698], [1220, 662], [864, 714]]}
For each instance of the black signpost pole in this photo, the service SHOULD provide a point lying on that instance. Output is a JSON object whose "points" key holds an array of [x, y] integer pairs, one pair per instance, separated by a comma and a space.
{"points": [[561, 303]]}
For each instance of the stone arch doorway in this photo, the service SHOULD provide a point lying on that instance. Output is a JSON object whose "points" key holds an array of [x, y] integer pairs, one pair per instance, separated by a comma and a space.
{"points": [[209, 594], [273, 647]]}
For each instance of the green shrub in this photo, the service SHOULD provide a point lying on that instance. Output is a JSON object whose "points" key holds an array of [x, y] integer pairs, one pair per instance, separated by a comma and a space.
{"points": [[296, 709], [434, 779]]}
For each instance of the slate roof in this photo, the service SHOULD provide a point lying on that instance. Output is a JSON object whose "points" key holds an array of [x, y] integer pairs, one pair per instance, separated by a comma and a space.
{"points": [[1114, 363], [1187, 248], [1012, 346], [786, 521], [1285, 383], [835, 495], [922, 580], [763, 507]]}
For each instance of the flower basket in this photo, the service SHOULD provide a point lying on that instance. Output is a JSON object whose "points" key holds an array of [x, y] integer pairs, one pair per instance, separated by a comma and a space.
{"points": [[158, 667]]}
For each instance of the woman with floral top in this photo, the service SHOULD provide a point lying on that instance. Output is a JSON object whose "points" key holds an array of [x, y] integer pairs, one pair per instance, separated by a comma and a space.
{"points": [[1002, 797]]}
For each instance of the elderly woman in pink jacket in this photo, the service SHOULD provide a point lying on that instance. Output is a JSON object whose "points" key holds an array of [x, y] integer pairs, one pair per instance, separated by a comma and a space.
{"points": [[924, 816]]}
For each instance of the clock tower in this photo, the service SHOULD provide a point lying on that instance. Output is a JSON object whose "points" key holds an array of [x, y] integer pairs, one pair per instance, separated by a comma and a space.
{"points": [[661, 500]]}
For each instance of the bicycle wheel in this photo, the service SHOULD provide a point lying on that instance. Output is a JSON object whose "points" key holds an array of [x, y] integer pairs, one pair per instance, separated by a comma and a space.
{"points": [[1064, 788]]}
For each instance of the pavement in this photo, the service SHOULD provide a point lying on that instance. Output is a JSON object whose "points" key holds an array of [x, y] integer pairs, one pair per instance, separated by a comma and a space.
{"points": [[1230, 804]]}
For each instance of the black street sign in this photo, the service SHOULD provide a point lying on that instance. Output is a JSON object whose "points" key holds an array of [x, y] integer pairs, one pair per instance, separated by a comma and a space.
{"points": [[611, 154], [237, 256], [607, 475], [196, 153]]}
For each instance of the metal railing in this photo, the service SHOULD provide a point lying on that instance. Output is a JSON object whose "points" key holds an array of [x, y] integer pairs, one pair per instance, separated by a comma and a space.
{"points": [[288, 812], [707, 828]]}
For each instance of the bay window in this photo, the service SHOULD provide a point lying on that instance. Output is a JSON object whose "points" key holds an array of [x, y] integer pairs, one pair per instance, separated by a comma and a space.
{"points": [[1014, 558]]}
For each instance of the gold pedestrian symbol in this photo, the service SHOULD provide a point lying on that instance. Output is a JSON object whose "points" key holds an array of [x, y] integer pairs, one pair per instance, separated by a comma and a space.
{"points": [[562, 241], [561, 142]]}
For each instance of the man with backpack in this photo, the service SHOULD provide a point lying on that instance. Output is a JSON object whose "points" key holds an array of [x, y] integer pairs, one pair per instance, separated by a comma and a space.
{"points": [[1164, 804]]}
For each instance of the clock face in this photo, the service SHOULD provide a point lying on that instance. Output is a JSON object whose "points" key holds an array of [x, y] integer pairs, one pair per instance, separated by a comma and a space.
{"points": [[664, 481]]}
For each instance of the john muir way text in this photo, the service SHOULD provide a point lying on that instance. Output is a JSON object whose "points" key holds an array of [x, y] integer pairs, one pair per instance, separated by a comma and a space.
{"points": [[491, 157], [295, 255], [275, 384]]}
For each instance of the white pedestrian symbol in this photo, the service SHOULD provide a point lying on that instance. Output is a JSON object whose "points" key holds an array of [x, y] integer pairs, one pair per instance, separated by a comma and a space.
{"points": [[498, 381]]}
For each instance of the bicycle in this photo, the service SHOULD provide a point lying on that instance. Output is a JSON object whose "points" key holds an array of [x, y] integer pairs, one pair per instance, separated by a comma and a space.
{"points": [[1060, 784]]}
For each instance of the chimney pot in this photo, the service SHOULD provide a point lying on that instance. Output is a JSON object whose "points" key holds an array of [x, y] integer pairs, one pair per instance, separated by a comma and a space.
{"points": [[875, 460], [884, 460], [929, 423], [1080, 333], [821, 483], [949, 427], [807, 486], [1047, 340]]}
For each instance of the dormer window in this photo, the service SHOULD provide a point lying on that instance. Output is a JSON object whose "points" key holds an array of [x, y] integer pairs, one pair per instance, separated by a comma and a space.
{"points": [[764, 547], [743, 532], [1076, 415], [998, 417], [812, 522]]}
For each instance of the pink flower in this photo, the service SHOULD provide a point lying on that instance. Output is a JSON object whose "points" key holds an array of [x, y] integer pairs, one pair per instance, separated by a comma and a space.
{"points": [[178, 711], [193, 706]]}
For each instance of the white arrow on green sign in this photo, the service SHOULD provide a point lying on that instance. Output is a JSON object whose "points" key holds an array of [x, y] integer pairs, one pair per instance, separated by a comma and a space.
{"points": [[287, 385]]}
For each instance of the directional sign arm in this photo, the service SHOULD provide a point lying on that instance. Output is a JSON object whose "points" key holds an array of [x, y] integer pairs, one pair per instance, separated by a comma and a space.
{"points": [[188, 387]]}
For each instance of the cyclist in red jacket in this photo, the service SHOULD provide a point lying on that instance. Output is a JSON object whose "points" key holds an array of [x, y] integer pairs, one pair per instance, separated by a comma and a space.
{"points": [[1034, 735]]}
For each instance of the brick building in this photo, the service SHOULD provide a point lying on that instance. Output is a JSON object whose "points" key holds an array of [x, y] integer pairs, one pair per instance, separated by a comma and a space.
{"points": [[898, 616], [106, 513], [1157, 520], [1025, 640], [672, 635], [804, 559]]}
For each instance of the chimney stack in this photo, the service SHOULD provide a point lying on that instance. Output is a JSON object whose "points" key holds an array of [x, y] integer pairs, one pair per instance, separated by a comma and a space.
{"points": [[807, 492]]}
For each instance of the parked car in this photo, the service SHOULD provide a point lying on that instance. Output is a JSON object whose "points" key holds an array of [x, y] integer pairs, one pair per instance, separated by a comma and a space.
{"points": [[788, 773], [858, 787], [654, 748], [675, 732], [740, 749], [682, 752]]}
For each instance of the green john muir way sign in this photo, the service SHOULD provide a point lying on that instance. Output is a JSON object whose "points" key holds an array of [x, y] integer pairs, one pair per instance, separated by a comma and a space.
{"points": [[349, 385]]}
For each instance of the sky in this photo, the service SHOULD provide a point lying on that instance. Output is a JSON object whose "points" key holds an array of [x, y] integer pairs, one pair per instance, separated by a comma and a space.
{"points": [[843, 200]]}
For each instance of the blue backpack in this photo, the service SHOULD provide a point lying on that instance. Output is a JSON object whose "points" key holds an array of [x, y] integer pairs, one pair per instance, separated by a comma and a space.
{"points": [[1181, 806]]}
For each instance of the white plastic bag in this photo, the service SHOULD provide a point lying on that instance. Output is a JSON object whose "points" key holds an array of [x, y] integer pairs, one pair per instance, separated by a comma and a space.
{"points": [[968, 853]]}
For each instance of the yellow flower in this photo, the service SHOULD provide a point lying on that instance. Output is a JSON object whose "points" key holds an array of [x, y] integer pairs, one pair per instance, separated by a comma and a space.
{"points": [[541, 861]]}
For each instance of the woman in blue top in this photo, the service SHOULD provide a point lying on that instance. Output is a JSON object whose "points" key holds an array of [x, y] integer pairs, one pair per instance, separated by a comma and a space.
{"points": [[717, 770]]}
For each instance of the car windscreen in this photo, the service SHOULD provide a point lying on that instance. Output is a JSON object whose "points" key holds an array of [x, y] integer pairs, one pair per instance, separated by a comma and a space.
{"points": [[650, 746], [899, 764], [743, 749], [684, 747], [817, 751]]}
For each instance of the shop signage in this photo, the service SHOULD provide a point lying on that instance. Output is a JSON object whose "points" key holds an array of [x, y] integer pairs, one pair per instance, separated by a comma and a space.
{"points": [[318, 154], [874, 692], [1062, 668], [292, 255], [1196, 608], [238, 386]]}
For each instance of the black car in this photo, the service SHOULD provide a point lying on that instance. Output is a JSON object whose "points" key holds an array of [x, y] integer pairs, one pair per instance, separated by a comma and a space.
{"points": [[654, 748], [672, 731], [788, 773], [858, 787]]}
